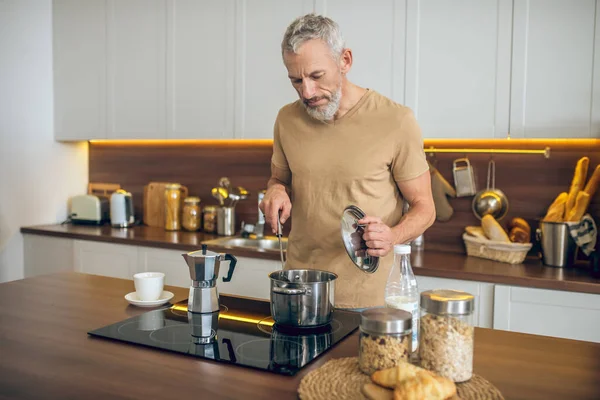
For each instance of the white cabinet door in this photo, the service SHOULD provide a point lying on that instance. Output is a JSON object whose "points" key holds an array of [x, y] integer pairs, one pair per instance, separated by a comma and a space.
{"points": [[483, 292], [169, 262], [79, 51], [250, 278], [458, 67], [136, 69], [200, 68], [547, 312], [376, 34], [107, 259], [46, 255], [555, 79], [262, 84]]}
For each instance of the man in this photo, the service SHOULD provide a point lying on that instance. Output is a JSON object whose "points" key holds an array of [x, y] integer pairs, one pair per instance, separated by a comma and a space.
{"points": [[341, 144]]}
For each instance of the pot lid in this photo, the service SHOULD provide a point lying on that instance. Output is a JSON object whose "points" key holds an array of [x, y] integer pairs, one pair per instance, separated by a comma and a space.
{"points": [[353, 242]]}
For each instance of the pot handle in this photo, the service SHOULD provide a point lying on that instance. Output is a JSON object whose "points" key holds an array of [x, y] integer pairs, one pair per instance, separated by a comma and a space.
{"points": [[281, 290]]}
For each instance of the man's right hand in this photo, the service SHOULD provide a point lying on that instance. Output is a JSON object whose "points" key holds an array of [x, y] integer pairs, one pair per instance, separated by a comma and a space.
{"points": [[276, 202]]}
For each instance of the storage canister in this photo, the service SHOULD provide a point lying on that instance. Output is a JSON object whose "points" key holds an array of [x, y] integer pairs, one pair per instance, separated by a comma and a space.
{"points": [[209, 217], [173, 207], [191, 216], [385, 339], [446, 333]]}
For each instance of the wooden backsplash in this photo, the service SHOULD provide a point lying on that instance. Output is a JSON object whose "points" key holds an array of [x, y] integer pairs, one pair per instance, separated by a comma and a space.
{"points": [[531, 182]]}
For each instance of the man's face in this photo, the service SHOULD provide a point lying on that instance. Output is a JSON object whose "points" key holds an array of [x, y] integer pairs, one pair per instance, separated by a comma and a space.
{"points": [[317, 78]]}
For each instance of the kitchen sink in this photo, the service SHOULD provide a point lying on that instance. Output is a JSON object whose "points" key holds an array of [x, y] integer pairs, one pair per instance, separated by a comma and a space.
{"points": [[268, 243]]}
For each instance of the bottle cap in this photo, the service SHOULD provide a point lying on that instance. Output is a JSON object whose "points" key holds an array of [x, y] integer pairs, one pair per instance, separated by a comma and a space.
{"points": [[401, 249]]}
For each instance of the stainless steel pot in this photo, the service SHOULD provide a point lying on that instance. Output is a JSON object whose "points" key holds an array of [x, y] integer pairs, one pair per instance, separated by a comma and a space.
{"points": [[302, 297], [292, 351]]}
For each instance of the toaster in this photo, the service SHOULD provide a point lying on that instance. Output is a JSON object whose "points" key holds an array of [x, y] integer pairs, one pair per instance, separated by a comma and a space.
{"points": [[89, 209]]}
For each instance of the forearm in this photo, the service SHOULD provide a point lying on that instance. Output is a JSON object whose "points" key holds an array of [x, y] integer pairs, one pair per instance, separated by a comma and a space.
{"points": [[420, 217]]}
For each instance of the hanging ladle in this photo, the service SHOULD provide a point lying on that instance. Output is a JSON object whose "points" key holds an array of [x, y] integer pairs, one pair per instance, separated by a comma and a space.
{"points": [[490, 201]]}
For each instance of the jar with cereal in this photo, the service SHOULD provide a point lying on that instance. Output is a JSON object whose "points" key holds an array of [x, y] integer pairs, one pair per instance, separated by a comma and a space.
{"points": [[447, 333], [190, 218], [385, 339]]}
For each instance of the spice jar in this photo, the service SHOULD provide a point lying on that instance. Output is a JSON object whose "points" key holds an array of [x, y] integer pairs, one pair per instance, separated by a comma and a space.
{"points": [[209, 216], [385, 339], [172, 206], [446, 333], [190, 218]]}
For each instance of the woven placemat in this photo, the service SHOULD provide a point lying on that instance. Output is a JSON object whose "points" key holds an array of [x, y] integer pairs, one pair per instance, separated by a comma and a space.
{"points": [[341, 379]]}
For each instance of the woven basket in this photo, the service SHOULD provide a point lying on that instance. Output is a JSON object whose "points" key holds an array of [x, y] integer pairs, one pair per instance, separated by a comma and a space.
{"points": [[512, 253]]}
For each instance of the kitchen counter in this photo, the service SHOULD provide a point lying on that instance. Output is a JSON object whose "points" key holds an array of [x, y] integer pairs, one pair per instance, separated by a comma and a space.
{"points": [[46, 353], [428, 263]]}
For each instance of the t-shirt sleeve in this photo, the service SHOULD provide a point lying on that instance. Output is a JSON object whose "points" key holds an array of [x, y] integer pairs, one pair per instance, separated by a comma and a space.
{"points": [[409, 160], [280, 169]]}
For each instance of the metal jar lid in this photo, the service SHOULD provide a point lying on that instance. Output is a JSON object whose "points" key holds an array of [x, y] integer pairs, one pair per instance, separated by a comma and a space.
{"points": [[352, 238], [385, 321], [192, 200], [445, 301]]}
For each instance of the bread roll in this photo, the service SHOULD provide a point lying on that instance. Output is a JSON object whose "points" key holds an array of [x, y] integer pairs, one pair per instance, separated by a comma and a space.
{"points": [[520, 223], [581, 205], [518, 235], [493, 230], [592, 185], [390, 377], [475, 231], [425, 386], [556, 211], [578, 182], [375, 392]]}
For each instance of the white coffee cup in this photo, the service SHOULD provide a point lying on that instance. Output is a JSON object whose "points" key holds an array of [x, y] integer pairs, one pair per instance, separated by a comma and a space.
{"points": [[149, 285]]}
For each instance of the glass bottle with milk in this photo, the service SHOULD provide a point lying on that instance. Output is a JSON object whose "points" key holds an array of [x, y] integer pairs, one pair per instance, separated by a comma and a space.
{"points": [[401, 290]]}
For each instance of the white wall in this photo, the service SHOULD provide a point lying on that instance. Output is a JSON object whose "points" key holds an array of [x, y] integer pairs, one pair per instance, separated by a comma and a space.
{"points": [[37, 174]]}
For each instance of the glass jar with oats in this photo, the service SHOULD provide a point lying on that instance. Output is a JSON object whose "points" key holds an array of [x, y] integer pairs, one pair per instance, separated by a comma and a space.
{"points": [[447, 334], [173, 207], [385, 339]]}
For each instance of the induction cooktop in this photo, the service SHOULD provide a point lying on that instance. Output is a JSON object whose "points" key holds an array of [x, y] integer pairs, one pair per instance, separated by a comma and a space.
{"points": [[242, 333]]}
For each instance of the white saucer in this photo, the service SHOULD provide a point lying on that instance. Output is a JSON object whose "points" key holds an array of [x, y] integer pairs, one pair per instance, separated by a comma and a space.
{"points": [[163, 299]]}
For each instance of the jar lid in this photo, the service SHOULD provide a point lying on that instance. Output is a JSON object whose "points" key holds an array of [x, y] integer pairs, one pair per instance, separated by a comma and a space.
{"points": [[446, 301], [385, 320], [173, 186], [210, 208], [192, 199], [353, 242]]}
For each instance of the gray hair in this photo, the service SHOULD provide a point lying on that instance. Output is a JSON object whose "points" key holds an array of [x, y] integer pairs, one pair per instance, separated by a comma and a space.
{"points": [[312, 26]]}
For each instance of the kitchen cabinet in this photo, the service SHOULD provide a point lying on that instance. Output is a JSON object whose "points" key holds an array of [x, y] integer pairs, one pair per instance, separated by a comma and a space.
{"points": [[136, 55], [200, 69], [262, 85], [106, 259], [555, 88], [79, 67], [250, 278], [169, 262], [547, 312], [482, 291], [46, 255], [458, 67]]}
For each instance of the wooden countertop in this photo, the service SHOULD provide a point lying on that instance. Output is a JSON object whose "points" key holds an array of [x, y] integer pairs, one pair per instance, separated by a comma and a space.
{"points": [[532, 273], [46, 353]]}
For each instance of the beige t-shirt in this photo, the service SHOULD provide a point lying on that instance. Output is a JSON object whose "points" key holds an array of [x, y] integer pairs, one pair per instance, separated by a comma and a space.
{"points": [[354, 160]]}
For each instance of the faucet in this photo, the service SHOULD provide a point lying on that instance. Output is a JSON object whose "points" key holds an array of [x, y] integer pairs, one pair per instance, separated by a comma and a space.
{"points": [[259, 228]]}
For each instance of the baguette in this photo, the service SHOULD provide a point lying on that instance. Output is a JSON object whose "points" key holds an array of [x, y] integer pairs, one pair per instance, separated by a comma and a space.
{"points": [[578, 182], [425, 386], [556, 211], [581, 204], [475, 231], [592, 185], [493, 230]]}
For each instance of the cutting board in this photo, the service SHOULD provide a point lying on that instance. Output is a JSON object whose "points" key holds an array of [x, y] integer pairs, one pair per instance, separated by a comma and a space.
{"points": [[154, 203]]}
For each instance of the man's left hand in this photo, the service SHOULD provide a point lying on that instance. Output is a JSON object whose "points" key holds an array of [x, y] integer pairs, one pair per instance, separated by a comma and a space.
{"points": [[378, 236]]}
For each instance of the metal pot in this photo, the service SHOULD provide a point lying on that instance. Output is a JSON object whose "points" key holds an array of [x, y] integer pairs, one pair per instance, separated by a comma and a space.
{"points": [[302, 297]]}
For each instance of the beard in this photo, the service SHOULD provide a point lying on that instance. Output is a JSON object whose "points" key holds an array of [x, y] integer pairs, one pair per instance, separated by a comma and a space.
{"points": [[327, 111]]}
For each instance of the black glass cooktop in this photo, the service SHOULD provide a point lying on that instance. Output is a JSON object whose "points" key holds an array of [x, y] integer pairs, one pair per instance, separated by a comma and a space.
{"points": [[241, 333]]}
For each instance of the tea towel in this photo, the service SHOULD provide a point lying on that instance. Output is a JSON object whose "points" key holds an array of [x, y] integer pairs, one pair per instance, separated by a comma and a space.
{"points": [[584, 233]]}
